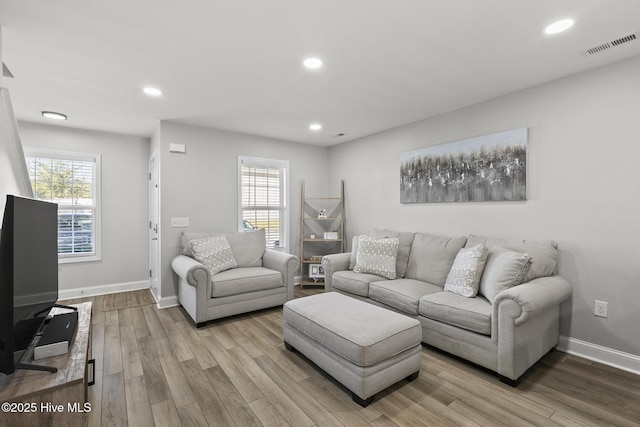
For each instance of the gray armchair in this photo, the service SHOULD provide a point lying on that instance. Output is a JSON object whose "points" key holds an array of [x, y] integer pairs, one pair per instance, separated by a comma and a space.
{"points": [[263, 278]]}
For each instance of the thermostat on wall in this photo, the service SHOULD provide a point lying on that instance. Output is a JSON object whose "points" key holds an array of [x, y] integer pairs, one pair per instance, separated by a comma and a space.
{"points": [[177, 148]]}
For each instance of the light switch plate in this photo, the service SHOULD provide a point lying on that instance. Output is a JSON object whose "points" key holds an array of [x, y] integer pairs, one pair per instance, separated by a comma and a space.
{"points": [[179, 221]]}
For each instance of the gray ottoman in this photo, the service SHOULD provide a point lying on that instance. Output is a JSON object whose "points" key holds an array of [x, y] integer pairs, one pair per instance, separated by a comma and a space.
{"points": [[364, 347]]}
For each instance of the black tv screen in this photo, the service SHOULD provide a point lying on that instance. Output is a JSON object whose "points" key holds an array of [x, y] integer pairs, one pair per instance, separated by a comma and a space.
{"points": [[28, 274]]}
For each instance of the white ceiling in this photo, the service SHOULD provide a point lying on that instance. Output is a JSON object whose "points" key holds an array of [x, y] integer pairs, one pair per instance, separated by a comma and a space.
{"points": [[236, 64]]}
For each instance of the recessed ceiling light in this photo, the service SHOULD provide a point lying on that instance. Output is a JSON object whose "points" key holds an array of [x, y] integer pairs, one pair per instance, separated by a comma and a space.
{"points": [[53, 115], [312, 63], [315, 126], [559, 26], [152, 91]]}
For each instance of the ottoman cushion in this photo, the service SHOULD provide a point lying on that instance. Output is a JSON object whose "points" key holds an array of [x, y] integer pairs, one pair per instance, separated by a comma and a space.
{"points": [[358, 331]]}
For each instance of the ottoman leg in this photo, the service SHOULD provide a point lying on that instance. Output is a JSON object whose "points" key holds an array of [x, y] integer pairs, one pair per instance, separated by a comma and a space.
{"points": [[413, 376], [289, 347], [362, 402]]}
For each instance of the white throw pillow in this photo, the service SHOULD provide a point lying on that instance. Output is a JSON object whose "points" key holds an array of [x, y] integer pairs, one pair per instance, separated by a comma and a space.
{"points": [[377, 256], [465, 273], [504, 269], [214, 252]]}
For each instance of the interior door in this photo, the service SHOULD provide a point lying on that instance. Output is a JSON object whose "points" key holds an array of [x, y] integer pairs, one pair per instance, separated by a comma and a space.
{"points": [[154, 232]]}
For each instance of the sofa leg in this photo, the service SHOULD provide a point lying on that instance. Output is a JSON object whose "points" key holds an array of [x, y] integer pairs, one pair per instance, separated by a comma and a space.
{"points": [[289, 347], [509, 381], [200, 325], [362, 402], [413, 376]]}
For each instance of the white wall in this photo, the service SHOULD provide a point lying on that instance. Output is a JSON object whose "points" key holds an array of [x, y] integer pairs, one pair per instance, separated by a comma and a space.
{"points": [[124, 203], [203, 183], [583, 178]]}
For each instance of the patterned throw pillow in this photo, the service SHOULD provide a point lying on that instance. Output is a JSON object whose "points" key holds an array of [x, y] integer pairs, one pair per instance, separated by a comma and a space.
{"points": [[377, 256], [465, 273], [504, 269], [214, 252]]}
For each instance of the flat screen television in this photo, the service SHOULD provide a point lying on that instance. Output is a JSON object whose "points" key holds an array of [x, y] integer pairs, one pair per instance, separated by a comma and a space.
{"points": [[28, 275]]}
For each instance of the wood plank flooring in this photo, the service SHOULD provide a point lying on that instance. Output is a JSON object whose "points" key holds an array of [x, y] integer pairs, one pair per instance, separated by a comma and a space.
{"points": [[154, 368]]}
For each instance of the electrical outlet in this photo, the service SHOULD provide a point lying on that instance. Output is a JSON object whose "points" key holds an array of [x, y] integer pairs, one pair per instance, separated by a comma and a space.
{"points": [[600, 308]]}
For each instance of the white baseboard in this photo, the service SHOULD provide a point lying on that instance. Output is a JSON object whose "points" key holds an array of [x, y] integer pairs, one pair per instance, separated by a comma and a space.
{"points": [[91, 291], [607, 356], [167, 302]]}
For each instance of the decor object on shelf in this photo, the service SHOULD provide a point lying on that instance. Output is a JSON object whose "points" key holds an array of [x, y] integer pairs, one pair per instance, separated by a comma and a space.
{"points": [[321, 232], [512, 322], [486, 168], [263, 277]]}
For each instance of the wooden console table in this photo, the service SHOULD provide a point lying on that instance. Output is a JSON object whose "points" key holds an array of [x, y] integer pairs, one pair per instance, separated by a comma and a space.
{"points": [[52, 398]]}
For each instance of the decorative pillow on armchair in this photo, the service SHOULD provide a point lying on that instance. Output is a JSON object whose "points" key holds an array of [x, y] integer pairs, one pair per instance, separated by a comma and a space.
{"points": [[465, 273], [377, 256], [214, 252]]}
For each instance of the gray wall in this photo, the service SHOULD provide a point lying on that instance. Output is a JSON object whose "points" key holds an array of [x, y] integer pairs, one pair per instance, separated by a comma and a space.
{"points": [[583, 192], [124, 202], [202, 184]]}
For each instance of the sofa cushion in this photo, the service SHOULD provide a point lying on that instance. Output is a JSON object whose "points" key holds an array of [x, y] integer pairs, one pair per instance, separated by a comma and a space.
{"points": [[465, 273], [404, 248], [432, 256], [544, 253], [355, 283], [402, 294], [504, 269], [248, 247], [243, 280], [377, 256], [214, 252], [473, 314]]}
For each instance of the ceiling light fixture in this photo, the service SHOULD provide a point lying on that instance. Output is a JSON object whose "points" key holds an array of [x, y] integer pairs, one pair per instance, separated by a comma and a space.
{"points": [[312, 63], [53, 115], [152, 91], [559, 26], [315, 126]]}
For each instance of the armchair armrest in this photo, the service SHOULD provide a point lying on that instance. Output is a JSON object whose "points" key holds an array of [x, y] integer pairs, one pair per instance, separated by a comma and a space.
{"points": [[190, 270], [285, 263], [535, 296], [331, 264]]}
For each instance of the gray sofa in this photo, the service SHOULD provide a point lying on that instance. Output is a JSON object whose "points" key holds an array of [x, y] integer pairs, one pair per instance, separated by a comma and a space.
{"points": [[505, 329], [261, 278]]}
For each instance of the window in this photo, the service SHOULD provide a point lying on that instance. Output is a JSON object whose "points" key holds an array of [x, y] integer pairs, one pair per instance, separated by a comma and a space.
{"points": [[263, 198], [71, 180]]}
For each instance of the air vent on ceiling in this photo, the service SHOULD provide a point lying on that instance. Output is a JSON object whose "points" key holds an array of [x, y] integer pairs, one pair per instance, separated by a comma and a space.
{"points": [[609, 45], [338, 135]]}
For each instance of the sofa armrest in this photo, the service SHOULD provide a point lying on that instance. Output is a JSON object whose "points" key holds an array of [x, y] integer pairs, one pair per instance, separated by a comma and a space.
{"points": [[331, 264], [190, 270], [535, 296], [285, 263]]}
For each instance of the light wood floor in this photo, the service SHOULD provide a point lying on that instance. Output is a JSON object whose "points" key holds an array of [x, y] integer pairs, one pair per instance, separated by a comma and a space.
{"points": [[154, 368]]}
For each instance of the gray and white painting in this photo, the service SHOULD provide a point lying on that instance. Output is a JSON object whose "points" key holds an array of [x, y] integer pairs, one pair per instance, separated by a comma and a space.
{"points": [[486, 168]]}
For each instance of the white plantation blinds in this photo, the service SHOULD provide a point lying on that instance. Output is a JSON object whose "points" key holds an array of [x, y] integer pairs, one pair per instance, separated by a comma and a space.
{"points": [[71, 181], [263, 198]]}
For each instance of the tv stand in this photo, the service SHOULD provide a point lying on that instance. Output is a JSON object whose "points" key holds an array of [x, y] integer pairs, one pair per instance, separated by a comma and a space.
{"points": [[66, 386]]}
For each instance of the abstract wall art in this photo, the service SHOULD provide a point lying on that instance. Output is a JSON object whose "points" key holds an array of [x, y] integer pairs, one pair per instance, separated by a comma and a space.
{"points": [[486, 168]]}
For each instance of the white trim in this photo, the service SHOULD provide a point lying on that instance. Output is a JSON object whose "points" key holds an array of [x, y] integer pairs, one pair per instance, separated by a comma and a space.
{"points": [[607, 356], [91, 291], [167, 302]]}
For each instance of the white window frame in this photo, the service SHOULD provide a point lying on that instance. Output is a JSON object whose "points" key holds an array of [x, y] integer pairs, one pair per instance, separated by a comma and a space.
{"points": [[96, 159], [283, 165]]}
